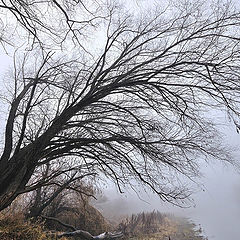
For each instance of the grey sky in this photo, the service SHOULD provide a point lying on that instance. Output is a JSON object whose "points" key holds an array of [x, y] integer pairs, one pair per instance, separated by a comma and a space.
{"points": [[217, 207], [217, 202]]}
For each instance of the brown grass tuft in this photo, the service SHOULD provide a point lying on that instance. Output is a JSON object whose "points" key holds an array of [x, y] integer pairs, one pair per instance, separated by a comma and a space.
{"points": [[16, 228]]}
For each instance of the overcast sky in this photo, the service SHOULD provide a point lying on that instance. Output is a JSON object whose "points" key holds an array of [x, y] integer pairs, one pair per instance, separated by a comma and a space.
{"points": [[217, 207], [217, 202]]}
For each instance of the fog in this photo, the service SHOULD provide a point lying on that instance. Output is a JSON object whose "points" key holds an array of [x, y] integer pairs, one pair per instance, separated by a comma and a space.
{"points": [[216, 204], [217, 208], [216, 200]]}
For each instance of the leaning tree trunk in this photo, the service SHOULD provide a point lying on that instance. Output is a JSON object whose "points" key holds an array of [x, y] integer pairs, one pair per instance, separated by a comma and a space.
{"points": [[15, 174], [13, 181], [16, 171]]}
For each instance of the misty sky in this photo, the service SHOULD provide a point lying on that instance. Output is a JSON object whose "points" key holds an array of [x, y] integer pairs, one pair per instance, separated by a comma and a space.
{"points": [[217, 200], [217, 207], [217, 203]]}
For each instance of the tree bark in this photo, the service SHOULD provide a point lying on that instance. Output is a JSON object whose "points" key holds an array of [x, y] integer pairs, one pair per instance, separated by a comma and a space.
{"points": [[15, 175]]}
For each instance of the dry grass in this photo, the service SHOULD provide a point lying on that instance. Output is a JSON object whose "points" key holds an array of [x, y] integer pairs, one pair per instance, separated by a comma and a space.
{"points": [[158, 226], [16, 228]]}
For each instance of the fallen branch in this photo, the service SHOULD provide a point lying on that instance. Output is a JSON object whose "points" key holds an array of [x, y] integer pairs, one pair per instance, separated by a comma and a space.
{"points": [[60, 222], [84, 234], [88, 236]]}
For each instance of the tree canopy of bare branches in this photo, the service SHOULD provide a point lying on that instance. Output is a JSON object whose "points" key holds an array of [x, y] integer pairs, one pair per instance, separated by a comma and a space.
{"points": [[49, 23], [130, 104]]}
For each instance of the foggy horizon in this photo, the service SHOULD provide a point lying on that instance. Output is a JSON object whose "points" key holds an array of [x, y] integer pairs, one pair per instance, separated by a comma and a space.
{"points": [[215, 205], [216, 201]]}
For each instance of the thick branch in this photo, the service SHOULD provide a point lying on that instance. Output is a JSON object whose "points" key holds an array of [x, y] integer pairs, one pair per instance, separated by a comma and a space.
{"points": [[60, 222]]}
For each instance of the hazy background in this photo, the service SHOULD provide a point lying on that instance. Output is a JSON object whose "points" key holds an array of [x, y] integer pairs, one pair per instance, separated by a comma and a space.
{"points": [[217, 200], [216, 204]]}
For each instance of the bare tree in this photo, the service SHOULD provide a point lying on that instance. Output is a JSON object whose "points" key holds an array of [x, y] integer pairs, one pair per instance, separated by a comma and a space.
{"points": [[133, 108]]}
